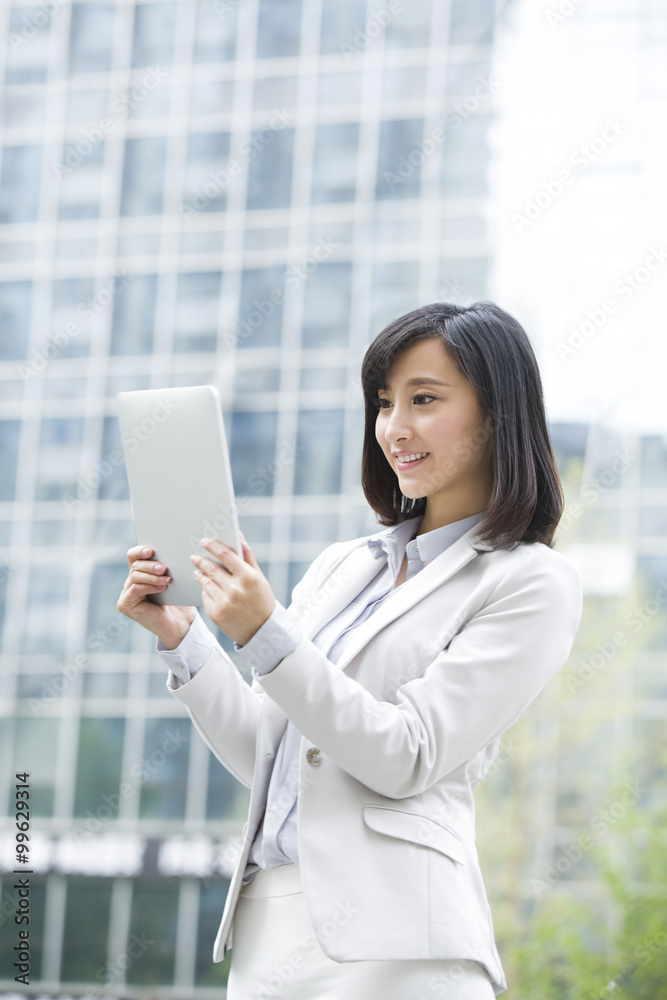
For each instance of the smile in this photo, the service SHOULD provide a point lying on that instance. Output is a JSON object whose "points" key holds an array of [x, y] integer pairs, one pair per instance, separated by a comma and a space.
{"points": [[409, 461]]}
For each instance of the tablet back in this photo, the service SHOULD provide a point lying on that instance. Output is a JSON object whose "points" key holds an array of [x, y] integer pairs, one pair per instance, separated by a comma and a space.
{"points": [[180, 479]]}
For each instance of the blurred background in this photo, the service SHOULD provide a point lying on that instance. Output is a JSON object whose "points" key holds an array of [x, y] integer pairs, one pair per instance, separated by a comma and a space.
{"points": [[243, 193]]}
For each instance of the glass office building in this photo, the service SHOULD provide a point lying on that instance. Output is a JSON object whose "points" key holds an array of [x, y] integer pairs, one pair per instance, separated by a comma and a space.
{"points": [[213, 192]]}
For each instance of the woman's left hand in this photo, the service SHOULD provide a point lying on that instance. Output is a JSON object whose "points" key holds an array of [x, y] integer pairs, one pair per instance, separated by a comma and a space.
{"points": [[236, 596]]}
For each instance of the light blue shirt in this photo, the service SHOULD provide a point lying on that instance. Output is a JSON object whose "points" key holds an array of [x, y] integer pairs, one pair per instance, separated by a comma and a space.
{"points": [[276, 840]]}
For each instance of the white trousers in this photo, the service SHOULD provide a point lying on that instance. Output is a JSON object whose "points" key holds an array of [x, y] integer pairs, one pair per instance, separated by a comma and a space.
{"points": [[275, 955]]}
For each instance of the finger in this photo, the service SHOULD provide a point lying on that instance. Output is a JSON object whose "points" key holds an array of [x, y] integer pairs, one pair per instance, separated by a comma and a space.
{"points": [[211, 570], [247, 554], [232, 562], [139, 552], [149, 567], [148, 578]]}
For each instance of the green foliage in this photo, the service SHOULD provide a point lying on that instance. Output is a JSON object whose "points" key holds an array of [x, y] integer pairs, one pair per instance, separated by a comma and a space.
{"points": [[615, 943]]}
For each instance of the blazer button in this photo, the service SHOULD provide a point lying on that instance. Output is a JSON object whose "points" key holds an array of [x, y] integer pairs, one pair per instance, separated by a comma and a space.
{"points": [[313, 756]]}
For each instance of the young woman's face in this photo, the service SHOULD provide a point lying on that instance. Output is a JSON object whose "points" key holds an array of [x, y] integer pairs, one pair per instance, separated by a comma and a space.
{"points": [[435, 435]]}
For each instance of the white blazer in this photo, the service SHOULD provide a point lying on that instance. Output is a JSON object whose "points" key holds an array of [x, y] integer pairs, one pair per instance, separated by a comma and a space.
{"points": [[395, 737]]}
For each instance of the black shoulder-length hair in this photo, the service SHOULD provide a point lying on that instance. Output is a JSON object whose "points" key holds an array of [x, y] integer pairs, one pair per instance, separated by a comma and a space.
{"points": [[493, 352]]}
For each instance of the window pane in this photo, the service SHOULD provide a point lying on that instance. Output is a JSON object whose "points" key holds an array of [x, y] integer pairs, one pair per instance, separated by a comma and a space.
{"points": [[394, 292], [320, 449], [91, 37], [403, 84], [164, 768], [206, 175], [335, 163], [14, 319], [410, 27], [211, 905], [399, 159], [9, 450], [25, 63], [153, 34], [215, 31], [108, 631], [471, 20], [223, 791], [134, 316], [197, 307], [252, 450], [464, 279], [45, 627], [113, 483], [326, 306], [143, 176], [154, 917], [278, 28], [653, 460], [59, 458], [19, 183], [99, 764], [79, 174], [465, 156], [261, 310], [340, 22], [270, 169], [70, 316], [35, 751], [274, 92], [86, 929]]}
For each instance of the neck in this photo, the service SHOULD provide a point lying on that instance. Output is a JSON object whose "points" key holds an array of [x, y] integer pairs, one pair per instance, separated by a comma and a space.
{"points": [[437, 516]]}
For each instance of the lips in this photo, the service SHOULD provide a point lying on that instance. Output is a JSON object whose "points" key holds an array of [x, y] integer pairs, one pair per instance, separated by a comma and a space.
{"points": [[410, 460]]}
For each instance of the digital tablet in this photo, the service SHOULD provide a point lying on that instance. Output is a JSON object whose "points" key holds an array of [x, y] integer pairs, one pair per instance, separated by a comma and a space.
{"points": [[180, 479]]}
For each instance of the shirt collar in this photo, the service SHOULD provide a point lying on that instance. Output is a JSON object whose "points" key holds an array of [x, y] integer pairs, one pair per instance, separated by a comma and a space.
{"points": [[424, 547]]}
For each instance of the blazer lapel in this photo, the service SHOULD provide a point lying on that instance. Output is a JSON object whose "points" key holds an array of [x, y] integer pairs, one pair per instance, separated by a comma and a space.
{"points": [[444, 566], [345, 582]]}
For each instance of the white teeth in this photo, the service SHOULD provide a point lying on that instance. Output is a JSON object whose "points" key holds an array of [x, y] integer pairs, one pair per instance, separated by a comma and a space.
{"points": [[412, 458]]}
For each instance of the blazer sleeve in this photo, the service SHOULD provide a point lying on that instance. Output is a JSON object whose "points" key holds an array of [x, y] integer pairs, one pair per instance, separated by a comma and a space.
{"points": [[223, 707], [471, 693]]}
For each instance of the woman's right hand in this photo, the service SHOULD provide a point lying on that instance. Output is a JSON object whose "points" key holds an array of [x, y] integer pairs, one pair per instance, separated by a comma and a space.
{"points": [[169, 622]]}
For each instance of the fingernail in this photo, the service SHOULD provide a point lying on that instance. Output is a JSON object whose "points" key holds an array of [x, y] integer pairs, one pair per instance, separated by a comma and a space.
{"points": [[158, 567], [205, 541], [146, 552]]}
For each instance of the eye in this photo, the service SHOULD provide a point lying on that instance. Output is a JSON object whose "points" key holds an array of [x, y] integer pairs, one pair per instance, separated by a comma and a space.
{"points": [[422, 399], [382, 403]]}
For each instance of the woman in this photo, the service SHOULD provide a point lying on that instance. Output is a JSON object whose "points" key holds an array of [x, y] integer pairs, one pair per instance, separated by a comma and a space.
{"points": [[379, 698]]}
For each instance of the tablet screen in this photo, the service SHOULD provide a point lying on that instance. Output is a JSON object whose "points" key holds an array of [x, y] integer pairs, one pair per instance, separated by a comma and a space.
{"points": [[180, 479]]}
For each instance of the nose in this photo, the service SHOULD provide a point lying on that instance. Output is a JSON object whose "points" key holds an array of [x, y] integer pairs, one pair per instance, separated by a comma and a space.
{"points": [[396, 426]]}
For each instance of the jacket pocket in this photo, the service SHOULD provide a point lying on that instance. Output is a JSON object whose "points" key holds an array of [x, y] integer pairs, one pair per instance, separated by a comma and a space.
{"points": [[417, 829]]}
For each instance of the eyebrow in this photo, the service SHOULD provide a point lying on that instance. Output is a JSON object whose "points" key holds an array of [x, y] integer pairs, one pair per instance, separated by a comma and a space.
{"points": [[421, 380]]}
